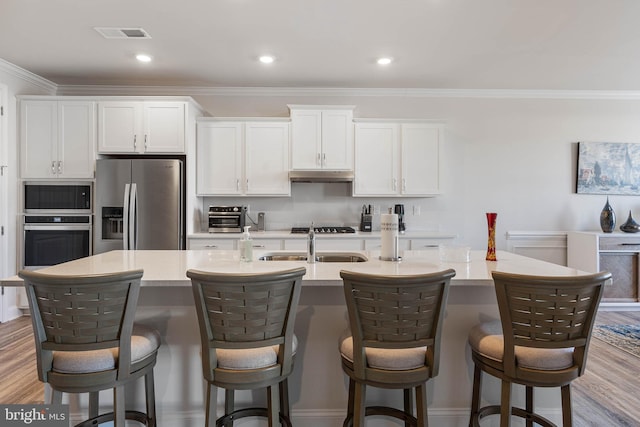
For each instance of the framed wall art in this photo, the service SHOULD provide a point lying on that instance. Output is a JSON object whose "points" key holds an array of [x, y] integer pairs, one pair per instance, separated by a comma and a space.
{"points": [[608, 168]]}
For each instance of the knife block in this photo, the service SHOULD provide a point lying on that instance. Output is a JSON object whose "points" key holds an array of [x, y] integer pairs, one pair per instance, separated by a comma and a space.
{"points": [[365, 222]]}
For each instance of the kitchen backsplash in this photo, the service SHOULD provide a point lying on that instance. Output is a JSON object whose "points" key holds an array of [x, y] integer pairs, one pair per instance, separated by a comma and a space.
{"points": [[330, 204]]}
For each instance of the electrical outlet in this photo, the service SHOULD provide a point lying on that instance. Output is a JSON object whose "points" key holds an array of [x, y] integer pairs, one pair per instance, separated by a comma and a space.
{"points": [[416, 210]]}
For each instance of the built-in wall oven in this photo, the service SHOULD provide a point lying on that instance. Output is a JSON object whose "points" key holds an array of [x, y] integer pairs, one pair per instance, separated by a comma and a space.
{"points": [[57, 224], [54, 239]]}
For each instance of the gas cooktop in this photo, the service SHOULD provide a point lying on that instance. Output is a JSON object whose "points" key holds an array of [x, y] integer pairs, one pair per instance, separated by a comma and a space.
{"points": [[323, 230]]}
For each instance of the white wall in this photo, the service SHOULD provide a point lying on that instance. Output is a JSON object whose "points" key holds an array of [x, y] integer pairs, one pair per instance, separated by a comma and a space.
{"points": [[516, 157], [16, 82]]}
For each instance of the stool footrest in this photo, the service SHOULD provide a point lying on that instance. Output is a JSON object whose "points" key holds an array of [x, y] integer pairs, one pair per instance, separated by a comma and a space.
{"points": [[518, 412], [140, 417], [250, 412]]}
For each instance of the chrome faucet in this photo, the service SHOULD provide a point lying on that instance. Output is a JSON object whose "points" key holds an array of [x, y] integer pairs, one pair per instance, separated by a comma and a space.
{"points": [[311, 246]]}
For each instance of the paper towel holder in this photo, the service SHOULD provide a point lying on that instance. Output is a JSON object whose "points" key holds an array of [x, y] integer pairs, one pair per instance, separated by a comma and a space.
{"points": [[396, 257]]}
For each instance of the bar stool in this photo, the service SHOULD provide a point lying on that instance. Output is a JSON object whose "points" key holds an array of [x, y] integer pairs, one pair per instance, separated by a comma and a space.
{"points": [[395, 324], [541, 340], [86, 340], [246, 329]]}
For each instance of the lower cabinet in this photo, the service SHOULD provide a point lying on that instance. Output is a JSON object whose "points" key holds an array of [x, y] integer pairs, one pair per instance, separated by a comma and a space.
{"points": [[617, 253], [224, 244]]}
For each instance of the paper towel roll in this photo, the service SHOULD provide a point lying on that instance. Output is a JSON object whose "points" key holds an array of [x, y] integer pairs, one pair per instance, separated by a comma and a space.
{"points": [[389, 237]]}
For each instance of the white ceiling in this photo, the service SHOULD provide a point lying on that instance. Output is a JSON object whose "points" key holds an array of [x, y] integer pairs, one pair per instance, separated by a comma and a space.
{"points": [[451, 44]]}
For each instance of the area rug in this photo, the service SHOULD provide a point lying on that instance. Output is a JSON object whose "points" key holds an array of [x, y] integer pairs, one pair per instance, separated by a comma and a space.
{"points": [[624, 337]]}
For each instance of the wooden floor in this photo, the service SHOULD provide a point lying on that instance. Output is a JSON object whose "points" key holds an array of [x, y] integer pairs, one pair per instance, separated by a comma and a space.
{"points": [[607, 395]]}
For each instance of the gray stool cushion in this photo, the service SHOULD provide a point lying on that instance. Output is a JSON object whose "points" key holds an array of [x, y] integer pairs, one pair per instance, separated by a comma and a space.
{"points": [[388, 359], [252, 358], [486, 339], [144, 341]]}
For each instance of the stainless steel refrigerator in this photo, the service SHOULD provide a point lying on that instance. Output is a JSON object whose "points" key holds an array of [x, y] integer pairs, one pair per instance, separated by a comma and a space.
{"points": [[139, 204]]}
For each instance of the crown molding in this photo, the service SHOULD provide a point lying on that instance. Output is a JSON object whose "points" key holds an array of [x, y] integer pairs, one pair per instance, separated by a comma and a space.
{"points": [[357, 92], [28, 76]]}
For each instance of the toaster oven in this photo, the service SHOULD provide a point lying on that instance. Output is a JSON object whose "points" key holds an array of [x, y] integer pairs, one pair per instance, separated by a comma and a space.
{"points": [[227, 219]]}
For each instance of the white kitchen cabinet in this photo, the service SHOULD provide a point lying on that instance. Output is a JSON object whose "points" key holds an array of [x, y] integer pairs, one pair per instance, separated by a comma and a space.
{"points": [[321, 137], [376, 244], [397, 159], [212, 243], [268, 244], [242, 158], [141, 127], [57, 139]]}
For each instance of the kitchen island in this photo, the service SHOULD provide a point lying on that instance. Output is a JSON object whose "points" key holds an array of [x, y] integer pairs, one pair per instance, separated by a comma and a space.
{"points": [[318, 388]]}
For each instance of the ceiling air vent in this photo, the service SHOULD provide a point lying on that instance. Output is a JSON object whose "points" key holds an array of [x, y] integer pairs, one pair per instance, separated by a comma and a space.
{"points": [[122, 33]]}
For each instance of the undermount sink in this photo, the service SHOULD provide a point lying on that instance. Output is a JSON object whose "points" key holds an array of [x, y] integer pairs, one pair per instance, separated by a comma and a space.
{"points": [[320, 257]]}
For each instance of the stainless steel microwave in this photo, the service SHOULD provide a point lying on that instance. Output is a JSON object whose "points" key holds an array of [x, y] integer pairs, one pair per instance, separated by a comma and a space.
{"points": [[40, 197]]}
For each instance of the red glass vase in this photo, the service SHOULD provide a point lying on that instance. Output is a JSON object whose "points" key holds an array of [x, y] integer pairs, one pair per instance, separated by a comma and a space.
{"points": [[491, 241]]}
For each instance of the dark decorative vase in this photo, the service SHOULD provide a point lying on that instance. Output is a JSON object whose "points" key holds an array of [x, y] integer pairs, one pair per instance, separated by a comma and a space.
{"points": [[630, 226], [491, 239], [608, 218]]}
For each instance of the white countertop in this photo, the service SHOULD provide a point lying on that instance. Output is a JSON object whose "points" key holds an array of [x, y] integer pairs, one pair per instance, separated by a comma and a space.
{"points": [[168, 267]]}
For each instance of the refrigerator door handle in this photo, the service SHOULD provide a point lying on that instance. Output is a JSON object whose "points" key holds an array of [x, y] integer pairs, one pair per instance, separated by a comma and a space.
{"points": [[134, 216], [125, 218]]}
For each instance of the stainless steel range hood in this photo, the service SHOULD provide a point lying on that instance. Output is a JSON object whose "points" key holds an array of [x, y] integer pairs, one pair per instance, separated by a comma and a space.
{"points": [[321, 175]]}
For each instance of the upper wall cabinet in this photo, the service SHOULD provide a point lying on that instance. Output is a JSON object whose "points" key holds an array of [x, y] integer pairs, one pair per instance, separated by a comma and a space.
{"points": [[397, 159], [57, 139], [143, 127], [321, 137], [240, 157]]}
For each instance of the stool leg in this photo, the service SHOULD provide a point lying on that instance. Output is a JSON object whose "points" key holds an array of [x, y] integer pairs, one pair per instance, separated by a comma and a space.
{"points": [[421, 406], [529, 403], [505, 404], [408, 404], [56, 397], [359, 395], [349, 417], [118, 406], [273, 405], [229, 405], [284, 398], [150, 393], [475, 398], [565, 391], [211, 404], [93, 404]]}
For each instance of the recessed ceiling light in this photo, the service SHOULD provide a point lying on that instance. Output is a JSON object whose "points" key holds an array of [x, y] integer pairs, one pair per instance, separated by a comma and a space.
{"points": [[143, 58], [266, 59], [384, 61]]}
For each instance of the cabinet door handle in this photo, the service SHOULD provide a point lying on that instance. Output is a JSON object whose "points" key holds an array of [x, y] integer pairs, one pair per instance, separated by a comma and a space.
{"points": [[324, 159], [247, 184], [237, 184], [53, 168], [59, 167], [145, 143], [404, 185], [135, 142], [395, 184], [629, 244], [318, 160], [211, 246], [258, 246]]}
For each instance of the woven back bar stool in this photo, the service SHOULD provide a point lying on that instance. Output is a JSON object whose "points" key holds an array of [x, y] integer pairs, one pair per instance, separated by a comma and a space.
{"points": [[395, 324], [541, 340], [246, 329], [86, 340]]}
